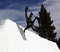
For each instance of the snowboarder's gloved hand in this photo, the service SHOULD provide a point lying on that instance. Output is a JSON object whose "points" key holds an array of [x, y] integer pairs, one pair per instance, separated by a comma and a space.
{"points": [[31, 13], [26, 8], [36, 17]]}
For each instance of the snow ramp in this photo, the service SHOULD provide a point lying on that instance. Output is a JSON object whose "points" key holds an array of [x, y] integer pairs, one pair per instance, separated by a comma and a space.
{"points": [[13, 39]]}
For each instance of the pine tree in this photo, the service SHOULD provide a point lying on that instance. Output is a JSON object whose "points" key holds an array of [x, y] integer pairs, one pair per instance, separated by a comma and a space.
{"points": [[45, 27]]}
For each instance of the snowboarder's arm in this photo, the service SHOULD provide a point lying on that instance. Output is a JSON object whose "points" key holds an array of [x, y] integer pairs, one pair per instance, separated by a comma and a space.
{"points": [[30, 15], [34, 20], [26, 9]]}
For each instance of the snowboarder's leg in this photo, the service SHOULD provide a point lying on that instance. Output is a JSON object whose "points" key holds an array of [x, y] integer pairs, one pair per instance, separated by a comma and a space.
{"points": [[27, 27]]}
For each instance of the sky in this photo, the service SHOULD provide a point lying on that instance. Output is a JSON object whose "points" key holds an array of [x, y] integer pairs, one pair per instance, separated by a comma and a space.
{"points": [[15, 10]]}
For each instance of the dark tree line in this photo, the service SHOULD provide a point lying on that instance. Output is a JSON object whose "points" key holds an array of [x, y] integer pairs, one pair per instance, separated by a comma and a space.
{"points": [[45, 26]]}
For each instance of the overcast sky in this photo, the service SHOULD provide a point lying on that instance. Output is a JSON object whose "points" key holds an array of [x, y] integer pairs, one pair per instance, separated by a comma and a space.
{"points": [[15, 9]]}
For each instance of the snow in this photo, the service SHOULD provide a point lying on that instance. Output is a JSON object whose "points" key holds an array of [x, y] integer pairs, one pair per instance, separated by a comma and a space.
{"points": [[13, 39]]}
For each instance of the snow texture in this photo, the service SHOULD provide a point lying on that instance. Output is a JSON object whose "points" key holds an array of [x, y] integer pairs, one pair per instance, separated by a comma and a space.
{"points": [[13, 39], [22, 32]]}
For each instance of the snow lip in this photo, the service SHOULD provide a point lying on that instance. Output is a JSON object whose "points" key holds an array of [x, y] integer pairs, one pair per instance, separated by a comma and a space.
{"points": [[20, 28]]}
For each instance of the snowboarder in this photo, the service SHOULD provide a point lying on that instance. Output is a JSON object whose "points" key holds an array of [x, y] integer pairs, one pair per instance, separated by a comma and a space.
{"points": [[28, 19]]}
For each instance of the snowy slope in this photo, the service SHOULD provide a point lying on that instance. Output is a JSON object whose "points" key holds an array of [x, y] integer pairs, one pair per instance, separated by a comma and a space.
{"points": [[13, 39]]}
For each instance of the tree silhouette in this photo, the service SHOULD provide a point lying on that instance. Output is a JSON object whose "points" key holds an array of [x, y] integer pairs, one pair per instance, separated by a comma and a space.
{"points": [[45, 27]]}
